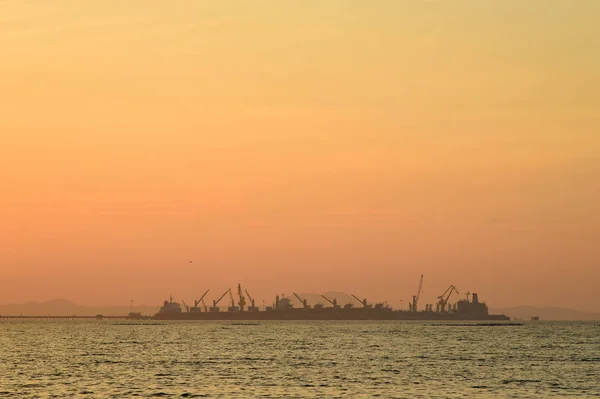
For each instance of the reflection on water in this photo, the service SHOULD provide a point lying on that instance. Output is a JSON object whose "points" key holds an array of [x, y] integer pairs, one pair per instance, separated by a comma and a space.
{"points": [[98, 359]]}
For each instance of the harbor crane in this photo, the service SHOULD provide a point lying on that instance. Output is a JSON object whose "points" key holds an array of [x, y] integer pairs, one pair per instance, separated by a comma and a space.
{"points": [[443, 299], [362, 301], [215, 308], [198, 301], [252, 307], [232, 308], [415, 298], [334, 302], [302, 301], [242, 301]]}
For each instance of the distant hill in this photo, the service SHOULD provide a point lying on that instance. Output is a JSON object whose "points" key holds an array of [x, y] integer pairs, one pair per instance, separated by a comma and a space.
{"points": [[63, 307], [550, 313]]}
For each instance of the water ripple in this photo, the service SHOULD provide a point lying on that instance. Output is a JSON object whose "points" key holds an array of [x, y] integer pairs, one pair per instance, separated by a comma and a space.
{"points": [[97, 359]]}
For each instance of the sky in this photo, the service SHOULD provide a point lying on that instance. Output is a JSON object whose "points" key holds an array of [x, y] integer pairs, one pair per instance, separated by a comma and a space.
{"points": [[155, 147]]}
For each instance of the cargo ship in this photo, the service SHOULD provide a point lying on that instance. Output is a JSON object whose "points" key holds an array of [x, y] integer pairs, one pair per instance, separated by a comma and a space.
{"points": [[469, 308]]}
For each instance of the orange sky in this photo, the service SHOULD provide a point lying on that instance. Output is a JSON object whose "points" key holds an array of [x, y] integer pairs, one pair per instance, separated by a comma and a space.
{"points": [[300, 146]]}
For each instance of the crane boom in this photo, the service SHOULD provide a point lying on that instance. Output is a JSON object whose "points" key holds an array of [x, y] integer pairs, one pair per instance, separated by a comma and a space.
{"points": [[445, 292], [420, 288], [445, 297], [222, 296], [215, 307], [334, 302], [415, 298], [249, 297], [302, 301], [327, 299], [451, 291], [197, 302], [362, 301], [252, 307]]}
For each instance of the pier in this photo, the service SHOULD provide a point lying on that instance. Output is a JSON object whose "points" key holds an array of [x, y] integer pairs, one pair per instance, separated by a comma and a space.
{"points": [[8, 318]]}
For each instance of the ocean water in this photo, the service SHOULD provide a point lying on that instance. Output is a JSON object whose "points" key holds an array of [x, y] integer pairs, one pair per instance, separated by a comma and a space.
{"points": [[111, 359]]}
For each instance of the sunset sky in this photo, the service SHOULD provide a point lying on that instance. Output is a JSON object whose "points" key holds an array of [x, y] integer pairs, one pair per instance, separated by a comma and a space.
{"points": [[300, 146]]}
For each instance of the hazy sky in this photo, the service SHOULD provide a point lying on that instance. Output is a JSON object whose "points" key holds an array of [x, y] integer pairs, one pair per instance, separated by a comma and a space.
{"points": [[300, 146]]}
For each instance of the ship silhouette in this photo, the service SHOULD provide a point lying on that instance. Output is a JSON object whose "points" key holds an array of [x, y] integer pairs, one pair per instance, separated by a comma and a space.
{"points": [[469, 308]]}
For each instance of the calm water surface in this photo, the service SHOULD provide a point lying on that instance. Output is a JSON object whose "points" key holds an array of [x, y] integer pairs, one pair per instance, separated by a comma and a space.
{"points": [[108, 359]]}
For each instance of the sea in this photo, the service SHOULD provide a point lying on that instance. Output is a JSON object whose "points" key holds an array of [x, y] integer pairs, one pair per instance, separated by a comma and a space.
{"points": [[274, 359]]}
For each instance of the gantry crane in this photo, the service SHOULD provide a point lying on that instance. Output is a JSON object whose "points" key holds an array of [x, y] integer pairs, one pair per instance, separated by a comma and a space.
{"points": [[334, 302], [302, 301], [198, 301], [443, 299], [215, 308], [415, 298], [252, 307]]}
